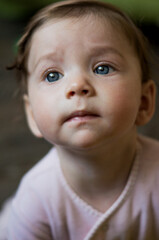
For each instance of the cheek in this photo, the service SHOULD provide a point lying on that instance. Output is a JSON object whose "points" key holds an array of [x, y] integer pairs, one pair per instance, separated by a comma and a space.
{"points": [[123, 102], [46, 122], [41, 118], [43, 111]]}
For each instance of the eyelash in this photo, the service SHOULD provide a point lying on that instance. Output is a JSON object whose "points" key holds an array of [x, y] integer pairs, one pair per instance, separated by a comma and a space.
{"points": [[110, 69], [55, 76], [51, 71], [57, 73]]}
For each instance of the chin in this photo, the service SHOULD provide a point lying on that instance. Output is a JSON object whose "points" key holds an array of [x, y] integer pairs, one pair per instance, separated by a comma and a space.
{"points": [[84, 142]]}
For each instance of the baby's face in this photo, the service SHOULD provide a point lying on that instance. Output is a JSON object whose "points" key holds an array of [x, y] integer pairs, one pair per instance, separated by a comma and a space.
{"points": [[84, 85]]}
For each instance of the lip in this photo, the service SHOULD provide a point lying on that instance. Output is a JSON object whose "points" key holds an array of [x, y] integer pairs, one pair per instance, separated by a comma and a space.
{"points": [[81, 116]]}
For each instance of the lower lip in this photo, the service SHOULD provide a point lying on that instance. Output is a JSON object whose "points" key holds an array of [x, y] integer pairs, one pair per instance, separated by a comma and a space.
{"points": [[82, 118]]}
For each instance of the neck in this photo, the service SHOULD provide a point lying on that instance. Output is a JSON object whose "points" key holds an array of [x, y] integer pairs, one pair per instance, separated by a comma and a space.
{"points": [[99, 170]]}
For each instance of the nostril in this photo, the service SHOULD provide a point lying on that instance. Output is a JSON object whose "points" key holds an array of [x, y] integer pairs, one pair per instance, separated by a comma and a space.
{"points": [[72, 93], [84, 91]]}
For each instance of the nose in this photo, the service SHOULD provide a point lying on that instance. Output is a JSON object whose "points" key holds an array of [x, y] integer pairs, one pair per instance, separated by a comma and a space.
{"points": [[79, 86]]}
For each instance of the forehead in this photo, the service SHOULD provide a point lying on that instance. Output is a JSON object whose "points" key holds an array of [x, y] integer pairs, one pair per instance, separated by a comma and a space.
{"points": [[73, 34], [90, 26]]}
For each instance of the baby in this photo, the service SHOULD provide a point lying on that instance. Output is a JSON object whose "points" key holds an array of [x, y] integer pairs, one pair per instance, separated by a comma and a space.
{"points": [[84, 72]]}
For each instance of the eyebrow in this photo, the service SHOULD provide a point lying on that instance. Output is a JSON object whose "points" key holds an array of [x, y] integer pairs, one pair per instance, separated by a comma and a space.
{"points": [[47, 57], [106, 49], [95, 50]]}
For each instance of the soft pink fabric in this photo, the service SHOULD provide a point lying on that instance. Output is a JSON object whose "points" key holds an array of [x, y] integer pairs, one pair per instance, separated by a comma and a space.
{"points": [[45, 207]]}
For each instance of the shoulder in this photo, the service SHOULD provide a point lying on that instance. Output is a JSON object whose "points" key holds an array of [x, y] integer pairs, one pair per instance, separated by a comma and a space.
{"points": [[149, 142], [148, 157], [31, 203], [44, 169], [45, 164], [37, 188], [149, 148], [40, 179]]}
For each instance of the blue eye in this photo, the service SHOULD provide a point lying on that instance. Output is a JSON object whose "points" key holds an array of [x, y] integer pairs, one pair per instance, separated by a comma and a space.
{"points": [[103, 69], [53, 77]]}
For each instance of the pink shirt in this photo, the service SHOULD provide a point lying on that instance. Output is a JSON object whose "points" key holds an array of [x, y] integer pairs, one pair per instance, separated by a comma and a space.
{"points": [[45, 207]]}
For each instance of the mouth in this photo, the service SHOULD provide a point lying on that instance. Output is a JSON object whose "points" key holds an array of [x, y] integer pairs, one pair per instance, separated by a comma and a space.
{"points": [[81, 116]]}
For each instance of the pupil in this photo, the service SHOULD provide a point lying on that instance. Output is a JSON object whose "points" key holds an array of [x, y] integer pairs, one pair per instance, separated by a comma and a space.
{"points": [[52, 76], [102, 69]]}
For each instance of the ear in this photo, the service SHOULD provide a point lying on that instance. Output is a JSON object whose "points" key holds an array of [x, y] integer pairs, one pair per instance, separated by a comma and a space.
{"points": [[147, 104], [30, 118]]}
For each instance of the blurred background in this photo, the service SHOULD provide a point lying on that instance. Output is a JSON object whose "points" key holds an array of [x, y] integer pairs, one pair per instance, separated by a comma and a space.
{"points": [[19, 150]]}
